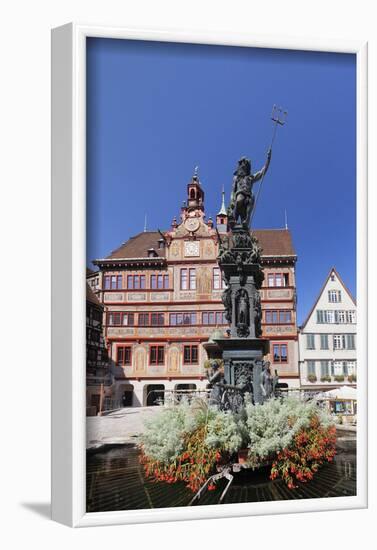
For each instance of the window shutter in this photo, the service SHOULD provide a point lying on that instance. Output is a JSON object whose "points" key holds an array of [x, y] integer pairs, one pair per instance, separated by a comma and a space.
{"points": [[350, 341], [324, 368], [324, 341]]}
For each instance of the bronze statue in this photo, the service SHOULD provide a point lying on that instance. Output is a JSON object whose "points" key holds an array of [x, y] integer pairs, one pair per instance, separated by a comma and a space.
{"points": [[242, 311], [242, 198]]}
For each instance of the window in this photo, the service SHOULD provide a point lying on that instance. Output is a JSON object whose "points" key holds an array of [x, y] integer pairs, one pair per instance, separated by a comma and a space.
{"points": [[351, 367], [113, 282], [157, 355], [184, 318], [351, 316], [192, 278], [338, 341], [157, 319], [311, 367], [278, 316], [340, 368], [214, 318], [278, 279], [280, 353], [217, 279], [184, 282], [151, 319], [123, 356], [160, 281], [135, 282], [116, 318], [330, 316], [334, 296], [340, 316], [310, 344], [344, 341], [336, 316], [324, 341], [190, 355], [188, 279]]}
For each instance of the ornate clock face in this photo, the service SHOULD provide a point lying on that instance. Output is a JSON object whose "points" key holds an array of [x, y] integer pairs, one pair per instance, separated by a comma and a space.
{"points": [[192, 248], [192, 224]]}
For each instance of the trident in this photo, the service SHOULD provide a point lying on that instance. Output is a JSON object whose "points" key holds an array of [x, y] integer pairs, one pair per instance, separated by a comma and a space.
{"points": [[279, 118]]}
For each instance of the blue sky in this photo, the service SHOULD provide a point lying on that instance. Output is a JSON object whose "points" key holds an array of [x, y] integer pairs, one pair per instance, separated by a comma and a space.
{"points": [[156, 110]]}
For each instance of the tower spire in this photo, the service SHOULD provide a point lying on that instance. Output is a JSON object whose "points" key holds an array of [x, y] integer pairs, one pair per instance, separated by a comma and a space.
{"points": [[222, 211], [286, 219], [145, 223], [222, 216]]}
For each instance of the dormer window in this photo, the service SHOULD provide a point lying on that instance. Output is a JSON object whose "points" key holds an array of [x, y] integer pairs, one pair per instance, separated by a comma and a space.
{"points": [[152, 253]]}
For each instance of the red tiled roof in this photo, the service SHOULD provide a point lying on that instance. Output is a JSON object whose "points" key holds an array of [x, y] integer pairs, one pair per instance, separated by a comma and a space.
{"points": [[138, 246], [274, 242]]}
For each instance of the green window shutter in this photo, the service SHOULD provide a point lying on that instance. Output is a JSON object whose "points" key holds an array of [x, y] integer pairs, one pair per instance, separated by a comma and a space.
{"points": [[311, 367], [350, 341], [324, 368], [324, 341]]}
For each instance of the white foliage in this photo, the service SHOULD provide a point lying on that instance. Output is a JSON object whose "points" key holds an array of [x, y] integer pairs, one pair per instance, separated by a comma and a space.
{"points": [[272, 426]]}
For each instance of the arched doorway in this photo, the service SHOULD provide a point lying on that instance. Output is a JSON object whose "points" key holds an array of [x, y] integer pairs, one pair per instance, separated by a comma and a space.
{"points": [[185, 387], [184, 390], [126, 395], [154, 394]]}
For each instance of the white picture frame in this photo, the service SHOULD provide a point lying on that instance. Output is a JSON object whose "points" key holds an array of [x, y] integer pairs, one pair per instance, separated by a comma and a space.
{"points": [[68, 276]]}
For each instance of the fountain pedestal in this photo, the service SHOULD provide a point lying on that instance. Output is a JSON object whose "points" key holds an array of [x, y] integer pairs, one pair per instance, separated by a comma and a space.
{"points": [[245, 370]]}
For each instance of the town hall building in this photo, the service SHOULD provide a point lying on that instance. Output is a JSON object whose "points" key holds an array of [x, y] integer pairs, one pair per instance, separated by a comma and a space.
{"points": [[161, 291]]}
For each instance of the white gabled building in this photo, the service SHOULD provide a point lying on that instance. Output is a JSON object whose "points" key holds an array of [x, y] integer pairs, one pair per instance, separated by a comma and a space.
{"points": [[327, 339]]}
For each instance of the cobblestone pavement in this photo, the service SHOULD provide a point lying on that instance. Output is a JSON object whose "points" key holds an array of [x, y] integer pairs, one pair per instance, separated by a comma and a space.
{"points": [[121, 426]]}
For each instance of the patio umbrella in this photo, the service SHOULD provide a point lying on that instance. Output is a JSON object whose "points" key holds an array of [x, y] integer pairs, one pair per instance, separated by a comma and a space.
{"points": [[344, 392]]}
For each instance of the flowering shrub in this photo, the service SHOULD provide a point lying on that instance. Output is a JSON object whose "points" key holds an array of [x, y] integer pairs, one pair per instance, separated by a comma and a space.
{"points": [[311, 447], [186, 442], [162, 439], [193, 466], [272, 426]]}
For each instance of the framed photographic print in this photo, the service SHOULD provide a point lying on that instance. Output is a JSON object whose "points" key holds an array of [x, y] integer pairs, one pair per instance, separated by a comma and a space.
{"points": [[209, 275]]}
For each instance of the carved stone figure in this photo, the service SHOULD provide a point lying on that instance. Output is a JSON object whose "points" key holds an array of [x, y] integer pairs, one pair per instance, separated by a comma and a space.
{"points": [[266, 380], [226, 299], [257, 314], [242, 198], [242, 309]]}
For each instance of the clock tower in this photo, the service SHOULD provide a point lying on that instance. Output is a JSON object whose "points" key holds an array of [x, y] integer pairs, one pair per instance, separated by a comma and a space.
{"points": [[194, 205]]}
